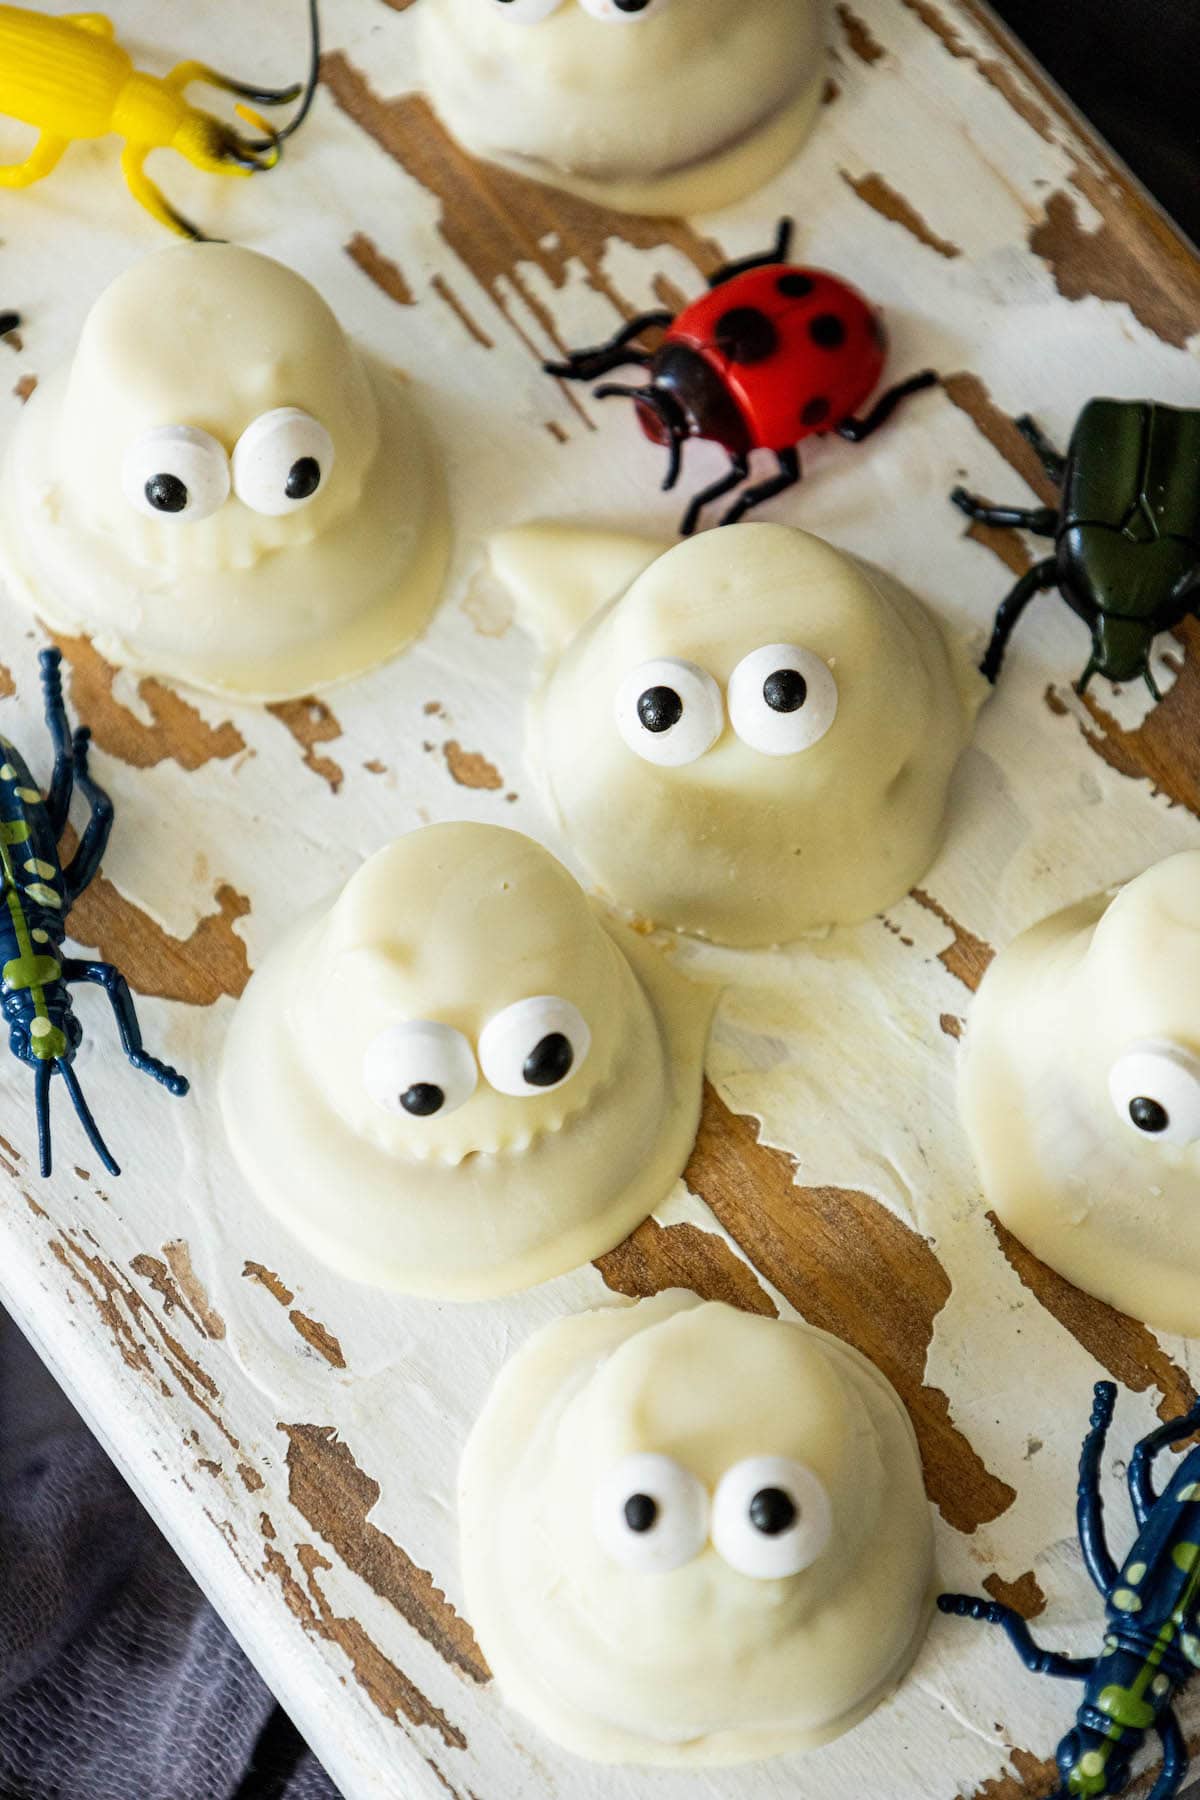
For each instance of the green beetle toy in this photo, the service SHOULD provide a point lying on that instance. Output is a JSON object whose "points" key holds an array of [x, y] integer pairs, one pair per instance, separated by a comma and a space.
{"points": [[1127, 534]]}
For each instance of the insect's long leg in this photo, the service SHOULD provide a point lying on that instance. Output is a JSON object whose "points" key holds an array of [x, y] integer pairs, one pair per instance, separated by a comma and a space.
{"points": [[788, 476], [856, 430], [104, 975], [41, 160], [1043, 575], [1052, 460], [41, 1101], [58, 800], [1175, 1757], [83, 867], [1089, 1508], [738, 470], [149, 195], [1041, 520], [187, 72], [1036, 1660], [9, 322], [1142, 1491], [84, 1111], [586, 365], [764, 259]]}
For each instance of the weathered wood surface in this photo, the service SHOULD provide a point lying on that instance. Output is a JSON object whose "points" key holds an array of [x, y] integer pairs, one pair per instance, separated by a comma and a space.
{"points": [[298, 1436]]}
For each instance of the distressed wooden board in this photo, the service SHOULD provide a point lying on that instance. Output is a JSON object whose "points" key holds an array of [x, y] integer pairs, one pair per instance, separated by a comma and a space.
{"points": [[297, 1436]]}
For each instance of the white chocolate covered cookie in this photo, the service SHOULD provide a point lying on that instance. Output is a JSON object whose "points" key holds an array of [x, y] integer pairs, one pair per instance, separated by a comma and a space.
{"points": [[755, 739], [651, 106], [693, 1535], [221, 487], [460, 1079], [1080, 1093]]}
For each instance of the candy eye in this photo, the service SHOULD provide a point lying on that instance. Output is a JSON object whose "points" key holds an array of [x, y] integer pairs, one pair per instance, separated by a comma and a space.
{"points": [[419, 1068], [1155, 1088], [650, 1513], [527, 12], [534, 1045], [782, 699], [669, 712], [771, 1517], [176, 472], [623, 11], [281, 461]]}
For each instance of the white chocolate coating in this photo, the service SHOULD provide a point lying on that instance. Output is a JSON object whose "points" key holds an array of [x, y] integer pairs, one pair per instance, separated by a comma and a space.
{"points": [[699, 1663], [741, 846], [265, 604], [686, 109], [453, 925], [1115, 1210]]}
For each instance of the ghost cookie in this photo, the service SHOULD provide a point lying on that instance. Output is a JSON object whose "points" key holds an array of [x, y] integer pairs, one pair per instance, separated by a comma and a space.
{"points": [[1080, 1093], [755, 739], [221, 487], [693, 1535], [460, 1079], [650, 106]]}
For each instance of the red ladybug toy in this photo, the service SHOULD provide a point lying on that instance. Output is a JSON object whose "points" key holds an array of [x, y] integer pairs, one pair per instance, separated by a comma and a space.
{"points": [[771, 355]]}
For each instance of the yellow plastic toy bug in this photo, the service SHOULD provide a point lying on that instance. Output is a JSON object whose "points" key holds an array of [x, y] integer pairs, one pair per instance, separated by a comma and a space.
{"points": [[68, 77]]}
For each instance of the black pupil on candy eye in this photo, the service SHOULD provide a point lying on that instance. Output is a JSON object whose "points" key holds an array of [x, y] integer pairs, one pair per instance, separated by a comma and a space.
{"points": [[304, 478], [785, 691], [1148, 1115], [772, 1511], [549, 1062], [640, 1512], [422, 1099], [166, 493], [659, 708]]}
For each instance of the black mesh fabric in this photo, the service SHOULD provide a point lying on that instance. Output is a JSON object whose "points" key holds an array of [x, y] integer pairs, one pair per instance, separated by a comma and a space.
{"points": [[117, 1679]]}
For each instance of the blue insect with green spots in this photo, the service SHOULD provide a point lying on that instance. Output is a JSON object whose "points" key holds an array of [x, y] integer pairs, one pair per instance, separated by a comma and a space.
{"points": [[1152, 1645], [36, 895]]}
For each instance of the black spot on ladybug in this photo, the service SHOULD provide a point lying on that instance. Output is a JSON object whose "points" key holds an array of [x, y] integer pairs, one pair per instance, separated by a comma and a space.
{"points": [[746, 335], [816, 412], [827, 331], [795, 286]]}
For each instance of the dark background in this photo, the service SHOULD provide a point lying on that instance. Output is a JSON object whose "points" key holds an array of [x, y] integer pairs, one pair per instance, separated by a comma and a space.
{"points": [[1133, 68]]}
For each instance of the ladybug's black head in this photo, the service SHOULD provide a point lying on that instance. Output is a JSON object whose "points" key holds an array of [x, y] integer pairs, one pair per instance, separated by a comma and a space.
{"points": [[685, 397], [660, 417]]}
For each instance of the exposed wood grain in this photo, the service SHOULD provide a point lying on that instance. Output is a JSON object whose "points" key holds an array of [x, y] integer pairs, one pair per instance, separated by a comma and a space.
{"points": [[469, 768], [179, 731], [1024, 1594], [879, 194], [662, 1256], [197, 969], [312, 722]]}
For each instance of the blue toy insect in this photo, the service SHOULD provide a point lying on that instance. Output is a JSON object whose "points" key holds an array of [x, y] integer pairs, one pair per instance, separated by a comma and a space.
{"points": [[1152, 1645], [36, 894]]}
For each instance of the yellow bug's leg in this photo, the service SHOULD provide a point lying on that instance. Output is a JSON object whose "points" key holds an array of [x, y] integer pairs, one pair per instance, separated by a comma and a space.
{"points": [[148, 195], [184, 73], [91, 22], [45, 154]]}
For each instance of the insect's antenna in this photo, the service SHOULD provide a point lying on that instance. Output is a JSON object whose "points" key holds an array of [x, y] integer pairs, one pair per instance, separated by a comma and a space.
{"points": [[71, 1081], [614, 389], [41, 1101], [310, 87]]}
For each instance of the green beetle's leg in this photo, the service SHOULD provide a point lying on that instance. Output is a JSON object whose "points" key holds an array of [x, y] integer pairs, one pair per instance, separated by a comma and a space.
{"points": [[62, 782], [42, 159], [1041, 520], [856, 430], [83, 867], [585, 365], [738, 471], [1036, 1660], [788, 476], [1043, 575], [104, 975], [1089, 1509], [1142, 1491], [1175, 1757], [1052, 460]]}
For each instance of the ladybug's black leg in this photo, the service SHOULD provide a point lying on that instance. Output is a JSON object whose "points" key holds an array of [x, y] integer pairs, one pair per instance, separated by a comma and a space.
{"points": [[766, 259], [84, 866], [1041, 520], [739, 468], [1052, 460], [585, 365], [1043, 575], [8, 322], [789, 474], [855, 430]]}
